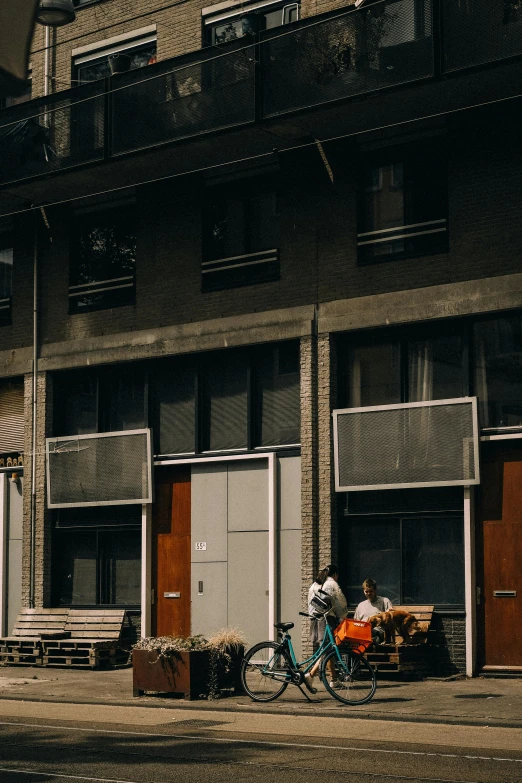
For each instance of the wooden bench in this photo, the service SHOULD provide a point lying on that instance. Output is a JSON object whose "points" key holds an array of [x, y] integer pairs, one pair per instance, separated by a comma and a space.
{"points": [[66, 637], [411, 659], [24, 646], [93, 640]]}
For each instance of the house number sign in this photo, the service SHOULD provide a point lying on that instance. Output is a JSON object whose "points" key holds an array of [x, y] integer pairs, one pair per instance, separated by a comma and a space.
{"points": [[201, 546]]}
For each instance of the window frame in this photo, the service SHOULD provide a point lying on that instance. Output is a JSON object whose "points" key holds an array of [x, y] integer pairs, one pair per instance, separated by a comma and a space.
{"points": [[399, 518], [99, 51], [6, 303], [255, 264], [411, 157], [94, 287], [210, 18], [199, 366], [64, 533], [403, 337], [101, 377]]}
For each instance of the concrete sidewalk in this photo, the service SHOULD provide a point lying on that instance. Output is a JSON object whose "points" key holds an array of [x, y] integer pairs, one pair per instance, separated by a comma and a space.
{"points": [[479, 702]]}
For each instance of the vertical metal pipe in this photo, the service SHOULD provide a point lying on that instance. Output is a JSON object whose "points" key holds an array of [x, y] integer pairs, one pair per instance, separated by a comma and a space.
{"points": [[47, 46], [34, 446]]}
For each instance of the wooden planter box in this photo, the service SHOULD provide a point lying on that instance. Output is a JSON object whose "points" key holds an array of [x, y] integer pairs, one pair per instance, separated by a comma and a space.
{"points": [[186, 674]]}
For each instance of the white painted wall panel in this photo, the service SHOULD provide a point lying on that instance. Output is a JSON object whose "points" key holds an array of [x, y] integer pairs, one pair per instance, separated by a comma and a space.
{"points": [[248, 495], [209, 611], [248, 584], [209, 511]]}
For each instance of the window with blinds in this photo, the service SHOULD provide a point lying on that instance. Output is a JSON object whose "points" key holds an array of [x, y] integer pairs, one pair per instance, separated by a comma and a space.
{"points": [[11, 417]]}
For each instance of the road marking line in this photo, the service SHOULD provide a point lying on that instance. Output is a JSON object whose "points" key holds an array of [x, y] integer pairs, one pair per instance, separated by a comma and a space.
{"points": [[273, 743], [62, 775]]}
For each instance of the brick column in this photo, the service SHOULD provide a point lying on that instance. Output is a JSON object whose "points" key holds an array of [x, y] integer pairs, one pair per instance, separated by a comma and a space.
{"points": [[326, 399], [42, 555], [309, 505]]}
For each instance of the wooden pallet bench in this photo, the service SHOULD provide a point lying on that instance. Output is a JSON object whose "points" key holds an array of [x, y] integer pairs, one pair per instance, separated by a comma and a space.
{"points": [[24, 646], [93, 640], [412, 660], [87, 638]]}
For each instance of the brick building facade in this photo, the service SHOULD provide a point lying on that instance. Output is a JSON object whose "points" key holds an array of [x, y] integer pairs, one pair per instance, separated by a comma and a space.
{"points": [[368, 190]]}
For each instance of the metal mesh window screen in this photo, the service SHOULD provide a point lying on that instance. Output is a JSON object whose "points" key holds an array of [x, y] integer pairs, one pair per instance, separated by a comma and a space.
{"points": [[425, 444], [96, 470]]}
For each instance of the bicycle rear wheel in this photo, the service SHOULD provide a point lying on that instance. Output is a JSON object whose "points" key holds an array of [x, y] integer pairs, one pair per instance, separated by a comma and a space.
{"points": [[265, 671], [354, 681]]}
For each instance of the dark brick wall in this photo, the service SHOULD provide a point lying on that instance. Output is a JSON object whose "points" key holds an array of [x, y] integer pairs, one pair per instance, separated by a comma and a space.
{"points": [[317, 247], [448, 644]]}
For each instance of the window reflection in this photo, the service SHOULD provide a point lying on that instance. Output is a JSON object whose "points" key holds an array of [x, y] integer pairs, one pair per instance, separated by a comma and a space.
{"points": [[436, 368], [375, 375], [498, 371], [416, 560]]}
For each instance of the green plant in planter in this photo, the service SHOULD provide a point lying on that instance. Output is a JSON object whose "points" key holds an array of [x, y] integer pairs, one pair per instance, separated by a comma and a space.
{"points": [[225, 651], [168, 646]]}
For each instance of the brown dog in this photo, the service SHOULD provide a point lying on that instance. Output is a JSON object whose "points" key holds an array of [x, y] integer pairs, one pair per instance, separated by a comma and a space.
{"points": [[396, 621]]}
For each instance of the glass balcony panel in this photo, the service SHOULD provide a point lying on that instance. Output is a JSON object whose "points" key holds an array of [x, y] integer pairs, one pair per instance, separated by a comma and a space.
{"points": [[52, 133], [480, 31], [362, 51], [177, 99]]}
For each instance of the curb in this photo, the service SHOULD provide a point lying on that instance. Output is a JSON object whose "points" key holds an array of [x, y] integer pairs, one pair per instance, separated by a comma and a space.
{"points": [[221, 704]]}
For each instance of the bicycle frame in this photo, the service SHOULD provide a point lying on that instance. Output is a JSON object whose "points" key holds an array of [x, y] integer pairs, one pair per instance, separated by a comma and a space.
{"points": [[327, 643]]}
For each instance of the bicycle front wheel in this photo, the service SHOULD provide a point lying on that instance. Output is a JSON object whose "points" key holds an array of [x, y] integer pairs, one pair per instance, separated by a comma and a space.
{"points": [[354, 681], [265, 671]]}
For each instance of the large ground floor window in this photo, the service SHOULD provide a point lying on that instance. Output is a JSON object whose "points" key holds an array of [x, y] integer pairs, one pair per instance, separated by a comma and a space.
{"points": [[415, 558], [97, 558]]}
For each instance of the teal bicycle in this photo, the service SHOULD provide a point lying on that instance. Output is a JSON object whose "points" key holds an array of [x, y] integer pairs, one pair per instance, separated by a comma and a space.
{"points": [[269, 668]]}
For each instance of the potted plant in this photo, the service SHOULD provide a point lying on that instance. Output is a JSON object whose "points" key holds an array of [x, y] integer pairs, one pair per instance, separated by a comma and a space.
{"points": [[192, 667]]}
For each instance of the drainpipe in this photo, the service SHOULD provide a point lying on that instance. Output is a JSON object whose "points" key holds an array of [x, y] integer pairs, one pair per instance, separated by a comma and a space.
{"points": [[32, 533], [47, 46]]}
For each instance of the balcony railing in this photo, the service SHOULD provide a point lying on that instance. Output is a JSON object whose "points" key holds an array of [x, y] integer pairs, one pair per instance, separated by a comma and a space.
{"points": [[384, 45], [312, 62], [476, 32], [190, 95], [53, 133]]}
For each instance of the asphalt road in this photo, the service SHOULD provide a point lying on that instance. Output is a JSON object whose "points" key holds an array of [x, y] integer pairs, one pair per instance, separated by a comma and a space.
{"points": [[73, 745]]}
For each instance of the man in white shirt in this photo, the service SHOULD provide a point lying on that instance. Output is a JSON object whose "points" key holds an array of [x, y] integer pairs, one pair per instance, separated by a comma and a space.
{"points": [[374, 603]]}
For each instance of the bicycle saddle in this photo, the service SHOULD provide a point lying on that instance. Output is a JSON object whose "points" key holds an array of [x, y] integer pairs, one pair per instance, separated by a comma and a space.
{"points": [[284, 626]]}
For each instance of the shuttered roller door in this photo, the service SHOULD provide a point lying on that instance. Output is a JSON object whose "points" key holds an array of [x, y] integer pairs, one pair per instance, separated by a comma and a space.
{"points": [[11, 417]]}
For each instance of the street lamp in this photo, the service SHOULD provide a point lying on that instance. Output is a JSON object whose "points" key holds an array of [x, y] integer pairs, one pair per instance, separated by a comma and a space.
{"points": [[55, 13]]}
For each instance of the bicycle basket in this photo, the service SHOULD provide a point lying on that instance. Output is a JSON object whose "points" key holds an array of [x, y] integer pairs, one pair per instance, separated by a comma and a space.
{"points": [[356, 633], [320, 604]]}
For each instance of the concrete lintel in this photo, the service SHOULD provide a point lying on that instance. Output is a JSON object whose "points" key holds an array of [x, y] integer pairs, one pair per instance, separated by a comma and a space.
{"points": [[451, 300], [249, 329], [16, 362]]}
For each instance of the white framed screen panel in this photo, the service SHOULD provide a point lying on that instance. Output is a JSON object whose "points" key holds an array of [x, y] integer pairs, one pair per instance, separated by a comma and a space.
{"points": [[100, 469], [416, 444]]}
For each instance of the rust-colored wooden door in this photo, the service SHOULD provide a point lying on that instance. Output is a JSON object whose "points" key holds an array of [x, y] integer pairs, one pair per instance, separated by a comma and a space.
{"points": [[171, 553], [501, 516]]}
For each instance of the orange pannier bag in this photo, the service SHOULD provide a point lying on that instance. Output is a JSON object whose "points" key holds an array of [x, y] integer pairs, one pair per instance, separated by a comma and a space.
{"points": [[357, 633]]}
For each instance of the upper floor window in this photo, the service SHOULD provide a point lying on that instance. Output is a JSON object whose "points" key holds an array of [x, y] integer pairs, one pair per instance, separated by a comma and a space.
{"points": [[104, 399], [426, 364], [6, 275], [498, 370], [240, 235], [240, 20], [102, 259], [402, 203], [419, 368], [21, 97], [228, 400], [114, 57]]}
